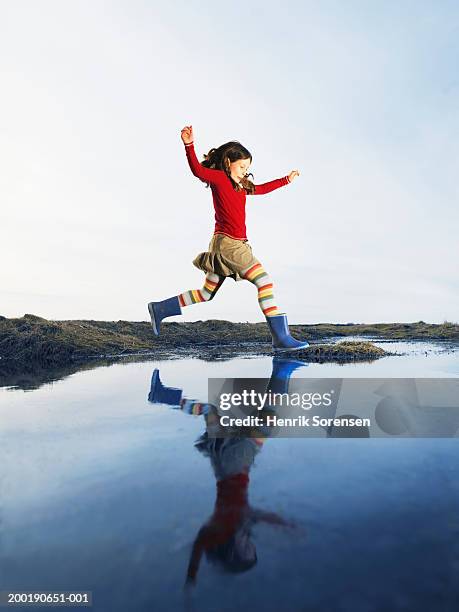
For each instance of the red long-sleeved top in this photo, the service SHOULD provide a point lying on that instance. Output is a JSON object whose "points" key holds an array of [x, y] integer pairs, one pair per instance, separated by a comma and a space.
{"points": [[229, 204]]}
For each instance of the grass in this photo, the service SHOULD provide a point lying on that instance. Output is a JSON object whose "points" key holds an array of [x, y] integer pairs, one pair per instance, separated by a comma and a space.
{"points": [[32, 339]]}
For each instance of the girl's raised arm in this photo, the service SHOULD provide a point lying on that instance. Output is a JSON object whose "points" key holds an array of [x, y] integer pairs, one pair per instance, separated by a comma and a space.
{"points": [[207, 175], [270, 186], [275, 184]]}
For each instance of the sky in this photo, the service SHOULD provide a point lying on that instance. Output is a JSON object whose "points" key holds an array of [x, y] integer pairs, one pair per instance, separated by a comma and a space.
{"points": [[100, 214]]}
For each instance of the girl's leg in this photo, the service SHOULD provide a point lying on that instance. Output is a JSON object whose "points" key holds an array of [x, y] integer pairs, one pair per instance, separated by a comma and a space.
{"points": [[212, 284], [257, 275], [277, 321], [172, 306]]}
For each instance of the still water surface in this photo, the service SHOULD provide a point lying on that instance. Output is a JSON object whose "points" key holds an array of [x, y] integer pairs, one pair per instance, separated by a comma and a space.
{"points": [[104, 490]]}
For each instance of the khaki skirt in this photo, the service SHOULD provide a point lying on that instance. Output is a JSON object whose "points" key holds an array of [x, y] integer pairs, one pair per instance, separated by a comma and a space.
{"points": [[226, 257]]}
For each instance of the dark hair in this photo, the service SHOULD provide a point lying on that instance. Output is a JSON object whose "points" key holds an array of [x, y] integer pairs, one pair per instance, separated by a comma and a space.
{"points": [[226, 557], [220, 159]]}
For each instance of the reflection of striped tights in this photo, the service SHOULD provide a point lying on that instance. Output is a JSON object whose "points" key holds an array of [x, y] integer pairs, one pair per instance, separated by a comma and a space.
{"points": [[256, 274]]}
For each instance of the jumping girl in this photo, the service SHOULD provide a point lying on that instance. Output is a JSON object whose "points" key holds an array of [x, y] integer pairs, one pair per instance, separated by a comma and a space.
{"points": [[225, 170]]}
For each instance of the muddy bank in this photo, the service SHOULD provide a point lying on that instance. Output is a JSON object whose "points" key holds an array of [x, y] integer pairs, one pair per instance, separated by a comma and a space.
{"points": [[32, 375], [31, 340]]}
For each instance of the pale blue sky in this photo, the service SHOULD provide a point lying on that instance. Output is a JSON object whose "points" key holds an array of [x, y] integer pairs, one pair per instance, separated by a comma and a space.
{"points": [[100, 213]]}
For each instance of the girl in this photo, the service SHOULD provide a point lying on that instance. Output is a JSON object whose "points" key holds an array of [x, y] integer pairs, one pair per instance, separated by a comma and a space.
{"points": [[225, 170]]}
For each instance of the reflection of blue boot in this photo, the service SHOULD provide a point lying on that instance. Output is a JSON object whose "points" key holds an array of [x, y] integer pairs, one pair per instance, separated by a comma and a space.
{"points": [[282, 340], [282, 370], [163, 395], [283, 367], [160, 310]]}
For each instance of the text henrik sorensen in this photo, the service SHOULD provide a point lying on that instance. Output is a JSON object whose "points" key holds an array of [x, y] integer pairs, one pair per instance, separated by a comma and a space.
{"points": [[300, 421]]}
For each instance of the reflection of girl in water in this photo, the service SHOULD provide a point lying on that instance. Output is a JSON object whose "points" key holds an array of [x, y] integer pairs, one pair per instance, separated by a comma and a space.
{"points": [[226, 536]]}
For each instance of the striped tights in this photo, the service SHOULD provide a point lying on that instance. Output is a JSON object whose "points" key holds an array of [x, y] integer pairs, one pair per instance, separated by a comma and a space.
{"points": [[212, 284], [255, 274]]}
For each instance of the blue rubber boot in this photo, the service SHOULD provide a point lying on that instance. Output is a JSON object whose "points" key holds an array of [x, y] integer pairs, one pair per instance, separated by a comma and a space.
{"points": [[160, 310], [159, 394], [282, 340]]}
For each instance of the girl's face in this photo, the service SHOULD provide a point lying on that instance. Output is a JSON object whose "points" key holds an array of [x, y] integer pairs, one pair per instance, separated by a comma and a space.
{"points": [[239, 168]]}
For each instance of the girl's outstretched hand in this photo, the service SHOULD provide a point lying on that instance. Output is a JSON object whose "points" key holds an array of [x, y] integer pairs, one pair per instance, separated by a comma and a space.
{"points": [[187, 134], [293, 174]]}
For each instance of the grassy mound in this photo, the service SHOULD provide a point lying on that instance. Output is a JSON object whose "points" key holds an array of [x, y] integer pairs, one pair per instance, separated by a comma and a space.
{"points": [[32, 339], [342, 351]]}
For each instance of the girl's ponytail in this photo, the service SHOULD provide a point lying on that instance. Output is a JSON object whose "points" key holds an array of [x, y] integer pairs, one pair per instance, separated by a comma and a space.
{"points": [[210, 160]]}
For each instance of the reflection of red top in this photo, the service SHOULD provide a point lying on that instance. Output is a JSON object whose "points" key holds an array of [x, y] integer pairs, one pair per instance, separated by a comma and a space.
{"points": [[228, 512], [229, 204], [230, 506]]}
